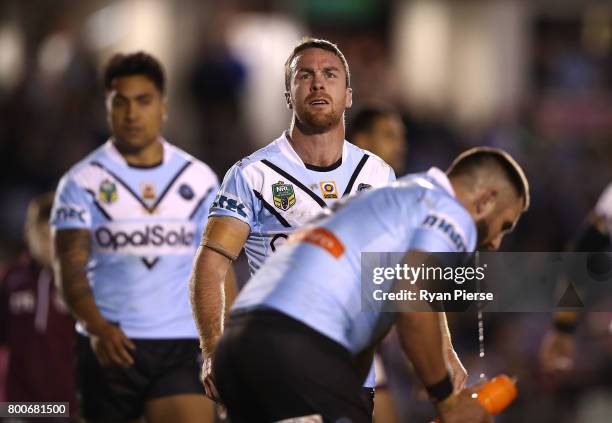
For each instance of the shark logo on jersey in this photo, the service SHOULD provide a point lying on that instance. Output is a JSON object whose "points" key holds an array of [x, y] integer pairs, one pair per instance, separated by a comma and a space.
{"points": [[186, 192], [446, 226], [363, 187], [284, 196], [107, 192], [329, 190]]}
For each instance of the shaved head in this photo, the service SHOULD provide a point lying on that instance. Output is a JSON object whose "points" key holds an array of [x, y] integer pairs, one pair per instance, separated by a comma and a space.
{"points": [[493, 188], [488, 166]]}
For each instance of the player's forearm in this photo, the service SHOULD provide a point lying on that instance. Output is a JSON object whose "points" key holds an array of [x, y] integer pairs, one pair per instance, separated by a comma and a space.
{"points": [[421, 339], [446, 336], [207, 294], [72, 250]]}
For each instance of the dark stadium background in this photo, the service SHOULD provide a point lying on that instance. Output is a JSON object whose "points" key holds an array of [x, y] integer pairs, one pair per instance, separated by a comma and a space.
{"points": [[533, 77]]}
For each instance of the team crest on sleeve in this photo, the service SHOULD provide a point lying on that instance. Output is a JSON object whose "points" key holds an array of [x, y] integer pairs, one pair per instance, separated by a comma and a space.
{"points": [[329, 190], [283, 195], [107, 193]]}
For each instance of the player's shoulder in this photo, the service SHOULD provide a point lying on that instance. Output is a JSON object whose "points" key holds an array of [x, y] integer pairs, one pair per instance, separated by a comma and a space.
{"points": [[196, 165], [87, 166], [373, 159], [271, 152]]}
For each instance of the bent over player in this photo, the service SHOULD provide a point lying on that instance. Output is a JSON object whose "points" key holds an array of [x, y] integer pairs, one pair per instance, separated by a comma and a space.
{"points": [[127, 220], [300, 316]]}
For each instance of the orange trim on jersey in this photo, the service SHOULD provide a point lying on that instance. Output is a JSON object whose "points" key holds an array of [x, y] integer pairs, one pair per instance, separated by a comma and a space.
{"points": [[320, 237]]}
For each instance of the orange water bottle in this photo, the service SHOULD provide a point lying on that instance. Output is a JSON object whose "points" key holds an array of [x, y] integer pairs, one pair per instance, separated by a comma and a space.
{"points": [[496, 394]]}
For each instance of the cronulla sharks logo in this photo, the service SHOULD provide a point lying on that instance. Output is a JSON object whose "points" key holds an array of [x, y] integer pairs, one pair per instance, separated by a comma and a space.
{"points": [[283, 195]]}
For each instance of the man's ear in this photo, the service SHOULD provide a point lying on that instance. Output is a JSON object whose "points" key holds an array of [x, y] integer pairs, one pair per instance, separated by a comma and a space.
{"points": [[349, 98], [484, 202], [164, 110], [288, 100]]}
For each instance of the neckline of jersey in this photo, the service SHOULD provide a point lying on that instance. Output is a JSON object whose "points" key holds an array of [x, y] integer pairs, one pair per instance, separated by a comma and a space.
{"points": [[289, 151], [115, 155]]}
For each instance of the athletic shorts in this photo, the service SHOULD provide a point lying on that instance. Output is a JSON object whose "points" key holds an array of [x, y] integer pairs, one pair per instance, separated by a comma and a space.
{"points": [[269, 367], [161, 368]]}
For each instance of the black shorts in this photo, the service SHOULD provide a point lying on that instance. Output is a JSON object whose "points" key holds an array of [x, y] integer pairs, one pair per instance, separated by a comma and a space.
{"points": [[270, 367], [161, 368]]}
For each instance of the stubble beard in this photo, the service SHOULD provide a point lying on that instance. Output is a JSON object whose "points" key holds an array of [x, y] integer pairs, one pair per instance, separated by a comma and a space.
{"points": [[317, 123]]}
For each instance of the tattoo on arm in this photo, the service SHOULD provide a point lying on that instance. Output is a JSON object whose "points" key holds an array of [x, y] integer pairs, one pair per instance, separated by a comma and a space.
{"points": [[72, 249]]}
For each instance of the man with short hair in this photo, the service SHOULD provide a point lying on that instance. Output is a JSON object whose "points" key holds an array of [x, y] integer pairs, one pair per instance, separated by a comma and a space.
{"points": [[381, 131], [300, 316], [267, 195], [35, 326], [126, 223]]}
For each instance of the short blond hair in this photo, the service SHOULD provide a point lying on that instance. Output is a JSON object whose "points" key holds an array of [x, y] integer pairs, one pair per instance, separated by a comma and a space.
{"points": [[309, 42]]}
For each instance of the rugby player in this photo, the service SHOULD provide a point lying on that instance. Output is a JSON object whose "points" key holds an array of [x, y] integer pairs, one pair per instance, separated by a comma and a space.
{"points": [[297, 338], [126, 223], [381, 131], [267, 195]]}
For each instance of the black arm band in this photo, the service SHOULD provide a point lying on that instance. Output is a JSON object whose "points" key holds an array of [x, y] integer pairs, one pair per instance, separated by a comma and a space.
{"points": [[441, 390], [565, 327]]}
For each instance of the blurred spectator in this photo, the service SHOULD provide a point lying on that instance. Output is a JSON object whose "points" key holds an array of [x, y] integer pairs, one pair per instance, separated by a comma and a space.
{"points": [[35, 326]]}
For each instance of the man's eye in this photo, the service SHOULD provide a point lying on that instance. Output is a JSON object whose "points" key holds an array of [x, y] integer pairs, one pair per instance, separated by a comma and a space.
{"points": [[331, 75], [305, 76]]}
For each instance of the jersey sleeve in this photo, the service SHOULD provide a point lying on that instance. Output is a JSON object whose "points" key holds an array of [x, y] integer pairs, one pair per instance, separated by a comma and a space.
{"points": [[604, 206], [235, 197], [71, 207], [201, 216], [446, 228]]}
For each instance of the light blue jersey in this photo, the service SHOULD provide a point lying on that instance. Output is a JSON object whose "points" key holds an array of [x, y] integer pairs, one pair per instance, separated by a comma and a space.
{"points": [[274, 192], [319, 282], [145, 226]]}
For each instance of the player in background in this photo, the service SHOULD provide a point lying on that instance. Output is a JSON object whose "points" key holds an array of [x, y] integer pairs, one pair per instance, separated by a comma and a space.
{"points": [[35, 326], [126, 223], [306, 336], [269, 194], [557, 351], [381, 131]]}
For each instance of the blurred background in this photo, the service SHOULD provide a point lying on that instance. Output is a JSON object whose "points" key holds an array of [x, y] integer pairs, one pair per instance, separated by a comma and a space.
{"points": [[532, 77]]}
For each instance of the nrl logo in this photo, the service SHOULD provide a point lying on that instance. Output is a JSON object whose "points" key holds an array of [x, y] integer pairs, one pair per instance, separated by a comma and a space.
{"points": [[107, 192], [284, 196]]}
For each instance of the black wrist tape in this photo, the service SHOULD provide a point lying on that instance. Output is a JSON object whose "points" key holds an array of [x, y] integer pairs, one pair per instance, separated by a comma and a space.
{"points": [[441, 390], [565, 327]]}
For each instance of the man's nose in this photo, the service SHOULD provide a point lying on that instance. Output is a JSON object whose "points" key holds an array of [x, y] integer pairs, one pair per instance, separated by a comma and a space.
{"points": [[318, 82]]}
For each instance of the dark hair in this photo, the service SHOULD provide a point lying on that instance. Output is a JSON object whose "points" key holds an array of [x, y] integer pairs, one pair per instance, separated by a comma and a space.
{"points": [[365, 118], [308, 42], [479, 157], [139, 63]]}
